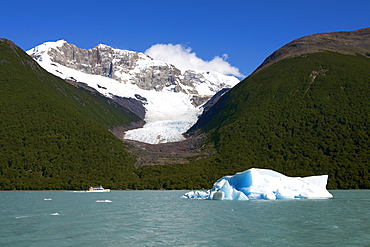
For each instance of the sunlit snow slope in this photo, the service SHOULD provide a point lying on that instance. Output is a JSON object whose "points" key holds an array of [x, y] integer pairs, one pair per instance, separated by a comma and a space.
{"points": [[166, 93]]}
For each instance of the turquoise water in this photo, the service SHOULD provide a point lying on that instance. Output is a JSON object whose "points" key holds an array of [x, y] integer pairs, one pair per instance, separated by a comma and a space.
{"points": [[161, 218]]}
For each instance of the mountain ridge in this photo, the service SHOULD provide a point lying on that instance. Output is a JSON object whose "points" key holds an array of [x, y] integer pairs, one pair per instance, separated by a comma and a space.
{"points": [[115, 63], [346, 42]]}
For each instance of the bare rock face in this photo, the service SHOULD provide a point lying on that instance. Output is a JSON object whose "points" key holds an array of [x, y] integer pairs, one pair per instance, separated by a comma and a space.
{"points": [[100, 60], [354, 42], [133, 67], [113, 63]]}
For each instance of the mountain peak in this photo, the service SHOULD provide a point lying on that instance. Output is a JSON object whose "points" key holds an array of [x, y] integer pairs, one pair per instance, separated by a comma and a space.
{"points": [[129, 66], [102, 46]]}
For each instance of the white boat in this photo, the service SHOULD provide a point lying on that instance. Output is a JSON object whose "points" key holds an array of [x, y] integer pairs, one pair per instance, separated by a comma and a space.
{"points": [[97, 189]]}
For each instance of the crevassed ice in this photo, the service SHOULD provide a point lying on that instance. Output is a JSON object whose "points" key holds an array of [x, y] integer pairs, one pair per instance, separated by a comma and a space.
{"points": [[257, 184], [159, 132]]}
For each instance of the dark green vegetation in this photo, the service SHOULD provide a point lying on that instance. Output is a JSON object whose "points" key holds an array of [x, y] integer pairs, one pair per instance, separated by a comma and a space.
{"points": [[304, 111], [301, 116], [54, 135]]}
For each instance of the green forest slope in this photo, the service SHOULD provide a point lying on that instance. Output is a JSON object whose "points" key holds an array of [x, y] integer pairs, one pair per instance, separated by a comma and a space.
{"points": [[301, 116], [54, 135], [303, 112]]}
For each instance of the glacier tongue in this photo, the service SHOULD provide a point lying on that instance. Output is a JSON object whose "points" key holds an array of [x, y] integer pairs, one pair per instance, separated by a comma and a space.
{"points": [[159, 132], [168, 116], [172, 99]]}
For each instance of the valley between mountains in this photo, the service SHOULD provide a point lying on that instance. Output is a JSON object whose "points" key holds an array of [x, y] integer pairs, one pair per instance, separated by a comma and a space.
{"points": [[128, 121], [167, 99]]}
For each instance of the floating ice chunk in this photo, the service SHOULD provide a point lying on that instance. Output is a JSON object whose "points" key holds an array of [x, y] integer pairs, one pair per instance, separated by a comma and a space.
{"points": [[55, 214], [269, 196], [196, 194], [47, 199], [256, 184], [20, 217], [103, 201]]}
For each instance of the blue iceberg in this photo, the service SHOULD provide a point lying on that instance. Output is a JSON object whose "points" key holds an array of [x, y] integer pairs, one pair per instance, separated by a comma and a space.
{"points": [[264, 184]]}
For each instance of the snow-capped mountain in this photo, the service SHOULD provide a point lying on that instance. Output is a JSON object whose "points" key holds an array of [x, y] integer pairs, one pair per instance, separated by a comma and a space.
{"points": [[172, 99]]}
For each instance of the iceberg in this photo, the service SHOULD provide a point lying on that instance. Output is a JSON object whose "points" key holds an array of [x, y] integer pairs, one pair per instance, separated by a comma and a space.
{"points": [[264, 184]]}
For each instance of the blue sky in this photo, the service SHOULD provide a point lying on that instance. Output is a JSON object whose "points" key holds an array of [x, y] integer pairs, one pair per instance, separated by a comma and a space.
{"points": [[247, 31]]}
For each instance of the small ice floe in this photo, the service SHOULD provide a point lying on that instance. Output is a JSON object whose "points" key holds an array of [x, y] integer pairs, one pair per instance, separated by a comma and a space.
{"points": [[47, 199], [20, 217], [103, 201], [54, 214]]}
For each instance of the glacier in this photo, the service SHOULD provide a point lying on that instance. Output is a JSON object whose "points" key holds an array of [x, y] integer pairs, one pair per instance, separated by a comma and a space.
{"points": [[169, 107], [264, 184]]}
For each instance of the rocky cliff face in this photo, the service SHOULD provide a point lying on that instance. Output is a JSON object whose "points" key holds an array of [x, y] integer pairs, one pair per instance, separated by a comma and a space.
{"points": [[100, 60], [129, 67], [353, 42]]}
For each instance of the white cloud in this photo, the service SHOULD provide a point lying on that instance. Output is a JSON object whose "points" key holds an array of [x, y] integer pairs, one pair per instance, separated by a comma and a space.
{"points": [[184, 59]]}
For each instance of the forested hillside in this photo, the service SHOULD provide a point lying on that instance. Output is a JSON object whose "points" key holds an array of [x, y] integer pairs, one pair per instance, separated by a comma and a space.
{"points": [[54, 135], [301, 116]]}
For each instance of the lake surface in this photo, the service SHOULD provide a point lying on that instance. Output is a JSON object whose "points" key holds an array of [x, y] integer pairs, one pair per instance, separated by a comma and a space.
{"points": [[161, 218]]}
